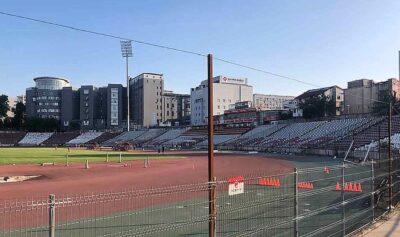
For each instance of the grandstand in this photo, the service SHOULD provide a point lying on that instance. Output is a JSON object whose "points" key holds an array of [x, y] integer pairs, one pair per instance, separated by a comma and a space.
{"points": [[103, 138], [147, 136], [10, 138], [376, 129], [124, 137], [218, 139], [335, 134], [60, 138], [169, 135], [223, 135], [254, 136], [34, 138], [329, 131], [84, 138]]}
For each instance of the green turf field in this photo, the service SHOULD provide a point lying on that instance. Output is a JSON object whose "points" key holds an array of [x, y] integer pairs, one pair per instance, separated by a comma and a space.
{"points": [[57, 156]]}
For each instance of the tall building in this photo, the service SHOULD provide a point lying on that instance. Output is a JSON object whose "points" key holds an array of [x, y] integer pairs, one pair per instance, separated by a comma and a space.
{"points": [[88, 107], [175, 108], [270, 102], [44, 100], [360, 94], [146, 92], [102, 107], [226, 90], [69, 108]]}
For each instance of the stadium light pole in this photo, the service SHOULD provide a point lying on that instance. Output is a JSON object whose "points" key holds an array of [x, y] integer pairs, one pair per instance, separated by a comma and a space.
{"points": [[126, 50]]}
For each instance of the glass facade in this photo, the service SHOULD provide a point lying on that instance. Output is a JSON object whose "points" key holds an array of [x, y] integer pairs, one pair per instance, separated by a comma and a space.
{"points": [[51, 83]]}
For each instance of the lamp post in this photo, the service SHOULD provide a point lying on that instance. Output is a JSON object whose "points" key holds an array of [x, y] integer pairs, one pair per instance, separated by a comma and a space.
{"points": [[126, 50]]}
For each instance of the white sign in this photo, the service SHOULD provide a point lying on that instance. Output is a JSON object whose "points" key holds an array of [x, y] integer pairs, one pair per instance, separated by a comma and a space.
{"points": [[236, 185], [232, 80]]}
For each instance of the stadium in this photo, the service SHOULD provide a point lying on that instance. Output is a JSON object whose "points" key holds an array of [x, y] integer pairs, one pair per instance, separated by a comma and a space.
{"points": [[152, 182]]}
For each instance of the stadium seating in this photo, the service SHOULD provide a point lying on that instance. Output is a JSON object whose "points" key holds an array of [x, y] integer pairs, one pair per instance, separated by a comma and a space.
{"points": [[376, 129], [34, 139], [218, 139], [148, 135], [169, 135], [124, 137], [84, 138], [58, 139], [104, 137], [10, 138], [254, 136], [329, 131]]}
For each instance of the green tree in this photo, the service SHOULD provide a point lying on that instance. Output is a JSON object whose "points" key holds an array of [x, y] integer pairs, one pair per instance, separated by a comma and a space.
{"points": [[381, 106], [19, 116], [317, 106], [42, 125], [3, 106]]}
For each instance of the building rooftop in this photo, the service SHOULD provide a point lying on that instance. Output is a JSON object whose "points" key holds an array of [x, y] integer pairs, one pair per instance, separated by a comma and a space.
{"points": [[51, 78]]}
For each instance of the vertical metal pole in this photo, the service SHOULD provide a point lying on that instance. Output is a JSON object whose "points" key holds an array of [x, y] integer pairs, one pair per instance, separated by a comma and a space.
{"points": [[211, 178], [296, 204], [127, 97], [120, 157], [372, 191], [107, 158], [343, 203], [390, 158], [52, 216], [66, 160], [379, 144]]}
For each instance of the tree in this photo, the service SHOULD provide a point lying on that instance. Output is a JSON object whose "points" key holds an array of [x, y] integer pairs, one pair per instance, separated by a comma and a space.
{"points": [[42, 125], [3, 106], [19, 116], [381, 106], [317, 106]]}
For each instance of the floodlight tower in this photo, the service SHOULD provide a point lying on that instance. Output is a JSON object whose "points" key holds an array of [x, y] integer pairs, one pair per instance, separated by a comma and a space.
{"points": [[126, 50]]}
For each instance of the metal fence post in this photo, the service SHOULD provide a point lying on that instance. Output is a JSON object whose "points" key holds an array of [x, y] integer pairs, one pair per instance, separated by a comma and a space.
{"points": [[343, 203], [372, 191], [52, 216], [390, 158], [296, 204]]}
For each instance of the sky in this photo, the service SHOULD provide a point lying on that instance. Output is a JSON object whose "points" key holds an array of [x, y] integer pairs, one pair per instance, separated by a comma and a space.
{"points": [[321, 42]]}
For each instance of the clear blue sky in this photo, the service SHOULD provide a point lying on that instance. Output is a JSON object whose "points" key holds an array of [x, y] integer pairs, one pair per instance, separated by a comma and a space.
{"points": [[323, 42]]}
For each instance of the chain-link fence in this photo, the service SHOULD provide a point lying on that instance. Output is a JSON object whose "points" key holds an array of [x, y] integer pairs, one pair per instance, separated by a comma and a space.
{"points": [[321, 201]]}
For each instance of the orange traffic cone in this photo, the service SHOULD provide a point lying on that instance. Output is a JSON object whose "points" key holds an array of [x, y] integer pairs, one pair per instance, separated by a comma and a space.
{"points": [[346, 187], [278, 183], [266, 181], [261, 182], [338, 188], [311, 185], [274, 182], [359, 189], [351, 188]]}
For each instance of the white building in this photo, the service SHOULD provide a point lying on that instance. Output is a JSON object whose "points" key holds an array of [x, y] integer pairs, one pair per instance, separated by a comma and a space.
{"points": [[270, 102], [12, 102], [226, 91], [293, 106]]}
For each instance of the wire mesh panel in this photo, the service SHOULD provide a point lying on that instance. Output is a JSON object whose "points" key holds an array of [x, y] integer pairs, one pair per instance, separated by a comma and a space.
{"points": [[265, 208], [319, 201], [24, 217]]}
